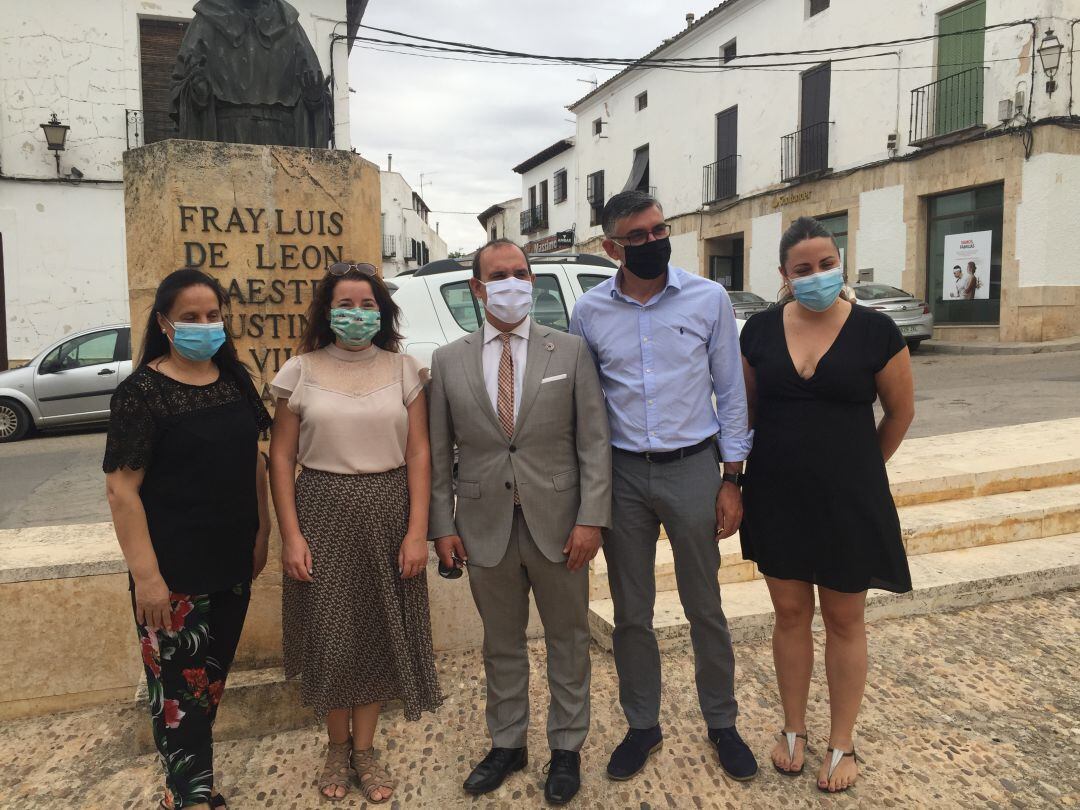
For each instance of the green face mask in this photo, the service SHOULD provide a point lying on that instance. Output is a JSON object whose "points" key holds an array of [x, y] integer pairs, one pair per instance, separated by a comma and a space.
{"points": [[355, 326]]}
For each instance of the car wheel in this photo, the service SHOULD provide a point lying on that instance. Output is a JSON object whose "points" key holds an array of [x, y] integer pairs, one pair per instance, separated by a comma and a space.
{"points": [[14, 421], [913, 345]]}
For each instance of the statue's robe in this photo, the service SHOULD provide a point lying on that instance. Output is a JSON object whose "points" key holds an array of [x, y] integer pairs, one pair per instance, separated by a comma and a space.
{"points": [[252, 61]]}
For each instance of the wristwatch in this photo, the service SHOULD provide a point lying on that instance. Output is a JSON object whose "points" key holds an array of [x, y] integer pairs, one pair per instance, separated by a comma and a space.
{"points": [[734, 478]]}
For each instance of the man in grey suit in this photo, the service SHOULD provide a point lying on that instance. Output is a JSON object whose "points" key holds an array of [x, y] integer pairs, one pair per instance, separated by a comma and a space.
{"points": [[522, 403]]}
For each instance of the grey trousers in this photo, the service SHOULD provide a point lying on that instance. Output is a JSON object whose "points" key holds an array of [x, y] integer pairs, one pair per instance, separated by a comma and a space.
{"points": [[681, 495], [501, 593]]}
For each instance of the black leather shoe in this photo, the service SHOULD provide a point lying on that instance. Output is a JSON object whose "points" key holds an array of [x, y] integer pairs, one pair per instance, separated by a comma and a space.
{"points": [[736, 758], [495, 767], [633, 752], [564, 776]]}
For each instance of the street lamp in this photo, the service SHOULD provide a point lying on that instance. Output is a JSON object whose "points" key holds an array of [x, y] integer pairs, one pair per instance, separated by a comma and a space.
{"points": [[55, 136], [1050, 55]]}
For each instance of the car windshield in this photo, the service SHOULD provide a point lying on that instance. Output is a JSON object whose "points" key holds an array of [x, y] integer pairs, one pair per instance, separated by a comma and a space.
{"points": [[877, 292], [738, 297]]}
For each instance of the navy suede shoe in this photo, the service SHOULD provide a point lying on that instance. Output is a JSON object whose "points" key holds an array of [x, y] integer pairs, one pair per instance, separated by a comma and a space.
{"points": [[736, 758], [633, 752]]}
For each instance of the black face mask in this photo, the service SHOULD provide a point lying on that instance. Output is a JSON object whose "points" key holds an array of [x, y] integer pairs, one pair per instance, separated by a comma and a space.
{"points": [[650, 260]]}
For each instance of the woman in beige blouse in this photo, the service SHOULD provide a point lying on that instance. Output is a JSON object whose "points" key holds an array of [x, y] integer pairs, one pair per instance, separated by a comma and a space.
{"points": [[351, 412]]}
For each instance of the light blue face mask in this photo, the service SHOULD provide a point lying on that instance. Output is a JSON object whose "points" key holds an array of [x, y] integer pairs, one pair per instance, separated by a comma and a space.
{"points": [[818, 291], [197, 341]]}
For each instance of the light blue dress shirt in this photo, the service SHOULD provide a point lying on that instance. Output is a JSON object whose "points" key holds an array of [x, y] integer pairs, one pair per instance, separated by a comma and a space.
{"points": [[661, 362]]}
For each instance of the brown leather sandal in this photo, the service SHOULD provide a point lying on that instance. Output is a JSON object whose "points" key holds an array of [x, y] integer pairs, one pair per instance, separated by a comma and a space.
{"points": [[792, 738], [335, 773], [372, 776]]}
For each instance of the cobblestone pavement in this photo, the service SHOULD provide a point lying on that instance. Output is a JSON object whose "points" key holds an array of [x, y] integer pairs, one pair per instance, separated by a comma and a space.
{"points": [[979, 708]]}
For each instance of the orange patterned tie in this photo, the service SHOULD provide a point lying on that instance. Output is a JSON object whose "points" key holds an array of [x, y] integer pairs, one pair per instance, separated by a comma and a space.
{"points": [[506, 394]]}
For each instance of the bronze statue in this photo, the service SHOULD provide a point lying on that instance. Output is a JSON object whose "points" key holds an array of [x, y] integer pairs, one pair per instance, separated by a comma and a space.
{"points": [[246, 73]]}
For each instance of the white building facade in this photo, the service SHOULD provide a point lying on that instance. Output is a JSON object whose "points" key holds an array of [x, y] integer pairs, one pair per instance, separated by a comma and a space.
{"points": [[548, 212], [408, 239], [900, 148], [502, 221], [102, 68]]}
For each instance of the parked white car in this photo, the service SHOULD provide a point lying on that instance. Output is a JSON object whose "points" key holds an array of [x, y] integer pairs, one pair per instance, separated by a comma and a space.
{"points": [[69, 383], [438, 307]]}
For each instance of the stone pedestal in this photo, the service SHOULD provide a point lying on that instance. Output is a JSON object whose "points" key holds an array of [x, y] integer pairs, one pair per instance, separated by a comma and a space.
{"points": [[265, 221]]}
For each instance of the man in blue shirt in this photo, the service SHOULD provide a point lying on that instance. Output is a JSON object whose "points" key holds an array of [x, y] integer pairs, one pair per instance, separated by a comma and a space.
{"points": [[665, 343]]}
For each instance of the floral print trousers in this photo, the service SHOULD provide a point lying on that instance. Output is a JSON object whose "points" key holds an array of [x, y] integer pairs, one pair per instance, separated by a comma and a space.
{"points": [[186, 667]]}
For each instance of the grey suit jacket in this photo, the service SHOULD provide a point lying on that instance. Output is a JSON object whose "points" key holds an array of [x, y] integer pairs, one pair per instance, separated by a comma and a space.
{"points": [[559, 455]]}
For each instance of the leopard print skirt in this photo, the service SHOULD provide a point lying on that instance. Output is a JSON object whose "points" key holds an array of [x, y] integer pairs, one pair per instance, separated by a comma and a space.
{"points": [[359, 633]]}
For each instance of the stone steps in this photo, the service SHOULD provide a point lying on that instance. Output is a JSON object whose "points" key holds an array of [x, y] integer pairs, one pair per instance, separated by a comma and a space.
{"points": [[943, 580], [927, 528], [986, 462]]}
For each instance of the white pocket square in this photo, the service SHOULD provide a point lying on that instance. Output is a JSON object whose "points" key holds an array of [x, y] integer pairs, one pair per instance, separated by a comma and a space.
{"points": [[556, 378]]}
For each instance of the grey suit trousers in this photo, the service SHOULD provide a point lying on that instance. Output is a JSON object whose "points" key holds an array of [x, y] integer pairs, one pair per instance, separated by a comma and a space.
{"points": [[501, 593], [682, 496]]}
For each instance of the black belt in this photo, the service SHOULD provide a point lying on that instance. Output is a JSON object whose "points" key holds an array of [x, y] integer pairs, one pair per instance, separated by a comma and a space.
{"points": [[670, 455]]}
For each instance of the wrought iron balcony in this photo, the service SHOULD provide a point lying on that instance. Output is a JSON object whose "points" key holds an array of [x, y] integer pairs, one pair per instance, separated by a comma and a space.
{"points": [[719, 180], [949, 105], [805, 151], [534, 219], [146, 126], [389, 246]]}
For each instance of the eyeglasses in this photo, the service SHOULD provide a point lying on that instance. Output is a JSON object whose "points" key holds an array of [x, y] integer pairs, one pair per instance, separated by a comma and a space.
{"points": [[343, 269], [638, 238]]}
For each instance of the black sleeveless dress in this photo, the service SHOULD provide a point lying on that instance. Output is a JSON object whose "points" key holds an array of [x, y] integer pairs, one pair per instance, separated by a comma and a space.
{"points": [[817, 502]]}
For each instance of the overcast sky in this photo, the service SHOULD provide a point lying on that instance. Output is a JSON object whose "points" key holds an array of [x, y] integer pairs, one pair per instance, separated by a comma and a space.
{"points": [[466, 125]]}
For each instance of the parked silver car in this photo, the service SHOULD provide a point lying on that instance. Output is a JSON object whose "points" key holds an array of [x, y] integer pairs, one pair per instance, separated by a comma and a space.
{"points": [[911, 315], [69, 383], [746, 304]]}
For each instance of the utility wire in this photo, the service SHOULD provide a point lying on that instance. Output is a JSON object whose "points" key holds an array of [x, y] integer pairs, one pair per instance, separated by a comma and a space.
{"points": [[784, 67], [482, 50]]}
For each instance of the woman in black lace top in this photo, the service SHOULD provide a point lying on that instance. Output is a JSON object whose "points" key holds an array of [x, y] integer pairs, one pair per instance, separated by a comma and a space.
{"points": [[187, 489]]}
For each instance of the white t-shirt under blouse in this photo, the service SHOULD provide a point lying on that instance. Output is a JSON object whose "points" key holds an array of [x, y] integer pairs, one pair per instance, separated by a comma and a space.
{"points": [[352, 407]]}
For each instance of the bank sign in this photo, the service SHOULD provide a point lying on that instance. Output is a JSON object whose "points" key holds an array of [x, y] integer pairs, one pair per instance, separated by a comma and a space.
{"points": [[557, 241]]}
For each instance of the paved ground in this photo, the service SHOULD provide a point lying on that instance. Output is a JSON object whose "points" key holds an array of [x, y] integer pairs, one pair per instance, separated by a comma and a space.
{"points": [[56, 478], [979, 708]]}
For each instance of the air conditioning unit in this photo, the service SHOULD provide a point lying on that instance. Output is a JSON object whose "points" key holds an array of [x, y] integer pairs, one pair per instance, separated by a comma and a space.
{"points": [[1005, 110]]}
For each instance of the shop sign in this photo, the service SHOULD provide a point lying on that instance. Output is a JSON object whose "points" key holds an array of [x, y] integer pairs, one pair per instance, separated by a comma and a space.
{"points": [[780, 200]]}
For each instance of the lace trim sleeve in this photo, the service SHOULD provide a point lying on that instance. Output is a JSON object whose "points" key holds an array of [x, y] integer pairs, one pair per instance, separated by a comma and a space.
{"points": [[132, 431], [263, 420]]}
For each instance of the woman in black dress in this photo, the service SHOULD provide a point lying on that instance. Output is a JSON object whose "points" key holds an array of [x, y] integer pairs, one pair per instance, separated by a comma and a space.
{"points": [[187, 489], [818, 506]]}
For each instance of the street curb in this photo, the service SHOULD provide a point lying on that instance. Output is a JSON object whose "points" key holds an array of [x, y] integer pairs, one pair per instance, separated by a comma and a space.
{"points": [[953, 347]]}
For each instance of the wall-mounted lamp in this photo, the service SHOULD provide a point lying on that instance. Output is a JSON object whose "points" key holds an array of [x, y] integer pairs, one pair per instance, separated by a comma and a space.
{"points": [[1050, 55], [56, 136]]}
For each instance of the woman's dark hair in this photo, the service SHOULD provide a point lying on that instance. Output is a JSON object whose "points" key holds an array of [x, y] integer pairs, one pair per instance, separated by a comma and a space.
{"points": [[317, 332], [799, 231], [156, 342]]}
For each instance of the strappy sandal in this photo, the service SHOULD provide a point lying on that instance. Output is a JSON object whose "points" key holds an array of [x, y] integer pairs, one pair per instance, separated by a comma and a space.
{"points": [[837, 758], [372, 776], [792, 737], [335, 773]]}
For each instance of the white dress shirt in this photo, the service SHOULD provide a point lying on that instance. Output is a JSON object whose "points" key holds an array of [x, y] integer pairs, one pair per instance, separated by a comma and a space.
{"points": [[493, 346]]}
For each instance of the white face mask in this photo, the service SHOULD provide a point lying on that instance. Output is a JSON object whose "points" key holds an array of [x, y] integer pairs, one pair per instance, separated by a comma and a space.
{"points": [[509, 299]]}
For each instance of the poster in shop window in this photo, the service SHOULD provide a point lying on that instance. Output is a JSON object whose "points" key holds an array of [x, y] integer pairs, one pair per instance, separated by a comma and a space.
{"points": [[966, 273]]}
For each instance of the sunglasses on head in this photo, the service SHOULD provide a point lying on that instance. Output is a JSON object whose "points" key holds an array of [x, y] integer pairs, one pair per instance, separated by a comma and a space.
{"points": [[344, 268]]}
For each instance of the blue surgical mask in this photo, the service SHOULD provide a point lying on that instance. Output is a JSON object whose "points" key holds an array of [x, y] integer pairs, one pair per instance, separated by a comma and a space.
{"points": [[819, 291], [197, 341], [355, 326]]}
